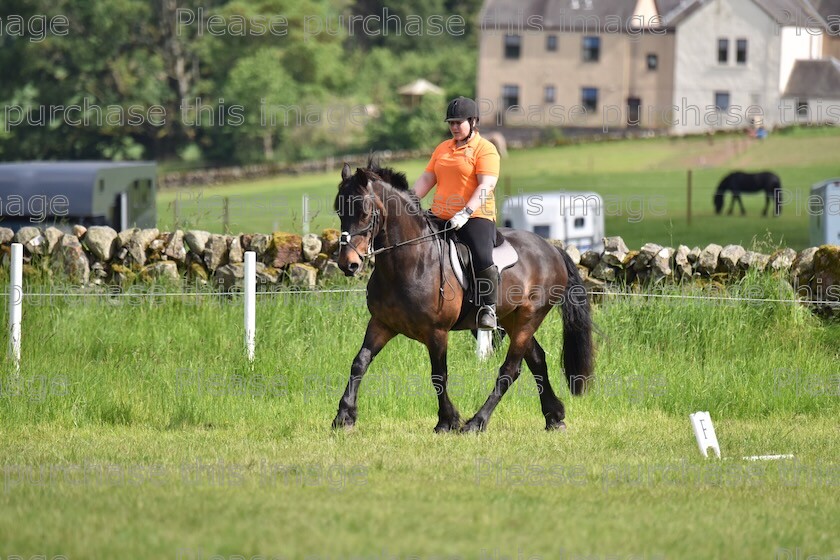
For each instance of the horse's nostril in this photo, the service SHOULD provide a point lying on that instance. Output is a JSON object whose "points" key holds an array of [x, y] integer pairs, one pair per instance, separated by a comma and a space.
{"points": [[353, 266]]}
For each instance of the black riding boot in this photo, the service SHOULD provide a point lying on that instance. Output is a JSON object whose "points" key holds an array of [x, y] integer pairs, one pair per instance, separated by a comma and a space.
{"points": [[487, 290]]}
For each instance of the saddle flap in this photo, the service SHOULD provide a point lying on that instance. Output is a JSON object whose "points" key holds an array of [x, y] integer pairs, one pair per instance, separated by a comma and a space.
{"points": [[504, 256]]}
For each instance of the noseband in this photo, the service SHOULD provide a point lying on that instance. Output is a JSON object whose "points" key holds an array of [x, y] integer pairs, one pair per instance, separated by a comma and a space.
{"points": [[346, 236]]}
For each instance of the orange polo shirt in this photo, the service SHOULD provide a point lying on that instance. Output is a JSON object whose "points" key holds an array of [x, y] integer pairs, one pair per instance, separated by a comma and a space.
{"points": [[455, 170]]}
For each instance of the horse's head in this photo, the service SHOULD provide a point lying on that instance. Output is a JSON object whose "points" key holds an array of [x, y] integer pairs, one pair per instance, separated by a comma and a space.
{"points": [[718, 199], [361, 215]]}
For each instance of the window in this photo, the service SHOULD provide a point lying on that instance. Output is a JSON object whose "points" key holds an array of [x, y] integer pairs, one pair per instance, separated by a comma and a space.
{"points": [[542, 231], [513, 44], [722, 101], [510, 96], [723, 51], [741, 51], [589, 98], [551, 43], [802, 109], [591, 49], [652, 61], [549, 94], [579, 223]]}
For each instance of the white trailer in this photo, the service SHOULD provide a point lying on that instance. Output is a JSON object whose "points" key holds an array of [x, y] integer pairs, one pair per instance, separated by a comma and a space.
{"points": [[576, 218], [824, 209]]}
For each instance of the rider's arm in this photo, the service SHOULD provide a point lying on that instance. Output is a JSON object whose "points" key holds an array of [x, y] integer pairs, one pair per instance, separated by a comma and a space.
{"points": [[483, 192], [424, 184]]}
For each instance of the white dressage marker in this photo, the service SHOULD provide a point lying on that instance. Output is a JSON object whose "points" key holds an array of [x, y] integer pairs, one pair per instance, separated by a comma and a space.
{"points": [[704, 431]]}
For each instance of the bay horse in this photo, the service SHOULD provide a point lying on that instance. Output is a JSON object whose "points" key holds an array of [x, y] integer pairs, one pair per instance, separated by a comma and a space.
{"points": [[740, 182], [413, 291]]}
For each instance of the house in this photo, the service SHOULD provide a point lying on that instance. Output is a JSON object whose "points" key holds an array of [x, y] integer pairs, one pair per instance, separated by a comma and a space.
{"points": [[573, 63], [679, 66]]}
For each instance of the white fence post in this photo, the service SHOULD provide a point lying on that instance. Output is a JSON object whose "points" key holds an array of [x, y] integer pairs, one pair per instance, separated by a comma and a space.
{"points": [[305, 213], [250, 302], [15, 302], [484, 344]]}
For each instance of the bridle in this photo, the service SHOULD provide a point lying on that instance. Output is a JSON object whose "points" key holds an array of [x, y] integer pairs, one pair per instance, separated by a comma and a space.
{"points": [[371, 232], [346, 237]]}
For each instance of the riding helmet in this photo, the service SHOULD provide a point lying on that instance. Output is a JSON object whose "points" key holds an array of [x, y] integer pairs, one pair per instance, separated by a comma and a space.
{"points": [[461, 109]]}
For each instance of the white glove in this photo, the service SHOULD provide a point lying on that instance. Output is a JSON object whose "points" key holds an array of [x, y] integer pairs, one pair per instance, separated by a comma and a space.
{"points": [[459, 219]]}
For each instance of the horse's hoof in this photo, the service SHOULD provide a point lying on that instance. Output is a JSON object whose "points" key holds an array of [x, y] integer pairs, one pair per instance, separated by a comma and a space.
{"points": [[343, 420], [451, 425], [475, 425], [555, 425]]}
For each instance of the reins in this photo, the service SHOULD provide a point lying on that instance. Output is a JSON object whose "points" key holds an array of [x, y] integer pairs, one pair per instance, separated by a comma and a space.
{"points": [[346, 236]]}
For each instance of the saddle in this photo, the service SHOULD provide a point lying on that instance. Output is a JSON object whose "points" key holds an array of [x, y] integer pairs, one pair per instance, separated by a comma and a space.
{"points": [[504, 255]]}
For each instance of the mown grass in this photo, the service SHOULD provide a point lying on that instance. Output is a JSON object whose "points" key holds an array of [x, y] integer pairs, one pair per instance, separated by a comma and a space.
{"points": [[643, 182], [207, 455]]}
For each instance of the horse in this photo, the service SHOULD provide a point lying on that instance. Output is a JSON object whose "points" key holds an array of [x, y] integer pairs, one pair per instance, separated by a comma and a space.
{"points": [[740, 182], [412, 291]]}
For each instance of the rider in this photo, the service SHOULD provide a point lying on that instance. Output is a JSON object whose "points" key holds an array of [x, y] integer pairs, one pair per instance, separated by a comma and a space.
{"points": [[465, 170]]}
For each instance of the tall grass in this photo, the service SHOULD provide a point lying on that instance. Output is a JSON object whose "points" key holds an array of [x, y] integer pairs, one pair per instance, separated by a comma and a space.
{"points": [[209, 455], [170, 362]]}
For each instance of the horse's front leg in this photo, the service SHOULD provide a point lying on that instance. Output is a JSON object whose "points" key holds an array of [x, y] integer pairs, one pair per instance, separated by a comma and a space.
{"points": [[520, 344], [448, 417], [377, 336], [741, 204]]}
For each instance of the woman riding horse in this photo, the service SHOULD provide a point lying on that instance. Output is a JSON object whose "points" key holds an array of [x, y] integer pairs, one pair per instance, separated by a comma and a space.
{"points": [[413, 291], [465, 170]]}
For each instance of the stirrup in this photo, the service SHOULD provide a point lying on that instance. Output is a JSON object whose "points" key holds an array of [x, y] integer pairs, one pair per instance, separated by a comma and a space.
{"points": [[486, 318]]}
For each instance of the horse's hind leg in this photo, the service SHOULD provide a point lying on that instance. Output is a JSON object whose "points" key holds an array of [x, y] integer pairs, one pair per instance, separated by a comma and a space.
{"points": [[766, 204], [377, 336], [448, 417], [552, 407], [520, 344]]}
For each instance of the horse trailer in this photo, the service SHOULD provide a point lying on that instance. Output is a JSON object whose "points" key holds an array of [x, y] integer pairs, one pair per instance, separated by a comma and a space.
{"points": [[64, 193], [824, 209], [576, 218]]}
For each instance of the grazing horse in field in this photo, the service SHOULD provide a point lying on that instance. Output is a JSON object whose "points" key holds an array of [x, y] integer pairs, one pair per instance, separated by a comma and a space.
{"points": [[740, 182], [413, 291]]}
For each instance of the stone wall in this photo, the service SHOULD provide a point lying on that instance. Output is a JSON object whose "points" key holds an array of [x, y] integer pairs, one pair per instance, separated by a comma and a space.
{"points": [[100, 255]]}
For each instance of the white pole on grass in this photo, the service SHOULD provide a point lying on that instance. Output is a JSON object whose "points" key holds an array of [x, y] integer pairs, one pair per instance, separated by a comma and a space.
{"points": [[250, 302], [15, 302], [305, 213], [484, 344]]}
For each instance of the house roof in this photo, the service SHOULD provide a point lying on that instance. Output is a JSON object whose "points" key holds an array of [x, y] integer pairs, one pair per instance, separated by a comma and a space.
{"points": [[828, 9], [568, 15], [786, 13], [812, 79], [420, 87], [576, 15]]}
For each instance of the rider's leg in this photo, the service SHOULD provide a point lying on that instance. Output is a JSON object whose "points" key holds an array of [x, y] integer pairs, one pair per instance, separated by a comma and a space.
{"points": [[478, 234]]}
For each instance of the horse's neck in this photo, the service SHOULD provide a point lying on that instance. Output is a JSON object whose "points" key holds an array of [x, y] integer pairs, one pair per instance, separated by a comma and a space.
{"points": [[402, 222]]}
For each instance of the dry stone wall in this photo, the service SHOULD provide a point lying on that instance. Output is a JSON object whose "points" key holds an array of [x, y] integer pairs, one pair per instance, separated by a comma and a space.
{"points": [[99, 255]]}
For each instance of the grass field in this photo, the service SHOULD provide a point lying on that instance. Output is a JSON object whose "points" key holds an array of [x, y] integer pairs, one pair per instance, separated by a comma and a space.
{"points": [[137, 429], [643, 183]]}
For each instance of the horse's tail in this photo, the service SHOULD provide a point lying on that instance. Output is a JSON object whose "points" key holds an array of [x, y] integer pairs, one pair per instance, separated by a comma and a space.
{"points": [[578, 353]]}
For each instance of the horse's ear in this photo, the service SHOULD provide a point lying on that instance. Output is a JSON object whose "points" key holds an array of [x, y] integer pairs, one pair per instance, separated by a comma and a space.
{"points": [[361, 177], [345, 171]]}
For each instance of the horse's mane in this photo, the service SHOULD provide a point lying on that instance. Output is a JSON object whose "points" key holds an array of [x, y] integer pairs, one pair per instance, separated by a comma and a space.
{"points": [[395, 179]]}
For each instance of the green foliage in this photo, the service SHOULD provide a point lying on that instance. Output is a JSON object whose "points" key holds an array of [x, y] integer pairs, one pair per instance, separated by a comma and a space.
{"points": [[123, 55], [401, 127]]}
